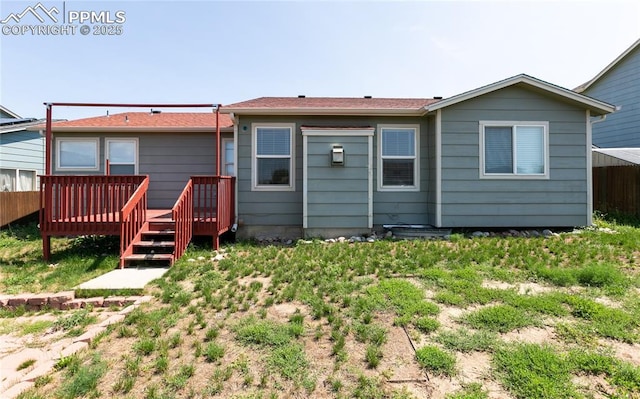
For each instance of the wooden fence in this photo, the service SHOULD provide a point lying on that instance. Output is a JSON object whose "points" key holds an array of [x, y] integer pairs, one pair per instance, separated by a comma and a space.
{"points": [[16, 205], [617, 188]]}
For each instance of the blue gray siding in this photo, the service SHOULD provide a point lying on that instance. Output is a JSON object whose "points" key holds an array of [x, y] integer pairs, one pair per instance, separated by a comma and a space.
{"points": [[168, 158], [619, 86], [284, 208], [22, 150], [338, 196], [468, 201]]}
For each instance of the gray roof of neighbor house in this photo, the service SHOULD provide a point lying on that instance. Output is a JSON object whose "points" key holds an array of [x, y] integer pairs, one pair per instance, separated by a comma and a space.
{"points": [[625, 154], [302, 105], [615, 62], [23, 124], [6, 111]]}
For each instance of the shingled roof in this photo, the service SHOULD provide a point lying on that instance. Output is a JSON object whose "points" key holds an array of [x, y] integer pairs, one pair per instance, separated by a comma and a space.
{"points": [[331, 105], [168, 121]]}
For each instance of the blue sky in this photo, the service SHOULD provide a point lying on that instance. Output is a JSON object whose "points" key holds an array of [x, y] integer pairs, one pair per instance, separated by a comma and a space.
{"points": [[224, 52]]}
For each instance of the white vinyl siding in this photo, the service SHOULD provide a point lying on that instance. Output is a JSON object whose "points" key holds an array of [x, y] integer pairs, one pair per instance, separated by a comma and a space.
{"points": [[273, 168], [514, 149], [398, 158], [77, 154]]}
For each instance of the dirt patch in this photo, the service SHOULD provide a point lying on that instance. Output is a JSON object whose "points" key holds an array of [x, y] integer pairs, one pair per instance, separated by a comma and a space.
{"points": [[596, 386], [246, 281], [624, 351], [522, 288], [608, 302], [531, 335], [449, 315], [500, 285]]}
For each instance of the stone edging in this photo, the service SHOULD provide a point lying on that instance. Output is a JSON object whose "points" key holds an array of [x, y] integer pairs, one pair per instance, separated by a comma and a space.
{"points": [[16, 381], [61, 301]]}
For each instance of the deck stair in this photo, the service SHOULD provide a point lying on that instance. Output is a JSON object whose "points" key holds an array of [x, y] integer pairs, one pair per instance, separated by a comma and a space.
{"points": [[156, 247]]}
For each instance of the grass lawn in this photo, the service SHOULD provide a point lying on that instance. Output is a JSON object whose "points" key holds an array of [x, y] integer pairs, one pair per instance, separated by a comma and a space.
{"points": [[554, 317]]}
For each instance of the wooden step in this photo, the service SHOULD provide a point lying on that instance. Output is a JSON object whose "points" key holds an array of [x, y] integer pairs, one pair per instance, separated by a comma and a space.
{"points": [[155, 233], [155, 244], [149, 260]]}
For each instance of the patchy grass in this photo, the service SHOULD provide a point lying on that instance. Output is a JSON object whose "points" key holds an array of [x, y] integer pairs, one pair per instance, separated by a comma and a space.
{"points": [[499, 318], [318, 320], [74, 260], [436, 361]]}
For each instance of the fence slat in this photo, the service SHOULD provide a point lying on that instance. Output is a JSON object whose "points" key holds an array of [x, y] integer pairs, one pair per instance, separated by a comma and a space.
{"points": [[15, 205], [617, 188]]}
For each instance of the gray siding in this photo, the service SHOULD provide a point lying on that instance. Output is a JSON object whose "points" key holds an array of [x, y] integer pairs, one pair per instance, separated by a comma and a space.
{"points": [[168, 158], [619, 86], [284, 208], [468, 201], [22, 150], [337, 197]]}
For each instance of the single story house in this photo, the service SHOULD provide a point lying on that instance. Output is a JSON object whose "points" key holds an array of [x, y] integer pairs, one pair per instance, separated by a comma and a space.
{"points": [[515, 153]]}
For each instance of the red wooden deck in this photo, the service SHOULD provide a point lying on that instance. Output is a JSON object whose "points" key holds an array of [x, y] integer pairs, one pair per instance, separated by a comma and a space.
{"points": [[117, 205]]}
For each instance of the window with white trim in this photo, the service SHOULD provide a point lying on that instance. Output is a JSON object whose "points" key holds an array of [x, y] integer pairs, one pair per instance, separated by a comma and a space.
{"points": [[77, 154], [398, 161], [17, 180], [514, 149], [122, 155], [273, 157]]}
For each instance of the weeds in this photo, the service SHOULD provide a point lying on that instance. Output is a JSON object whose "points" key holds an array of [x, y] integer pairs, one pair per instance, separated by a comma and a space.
{"points": [[436, 361]]}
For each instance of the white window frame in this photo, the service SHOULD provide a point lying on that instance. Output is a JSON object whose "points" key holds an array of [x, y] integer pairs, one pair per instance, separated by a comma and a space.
{"points": [[515, 174], [96, 140], [415, 157], [107, 155], [254, 158], [16, 176]]}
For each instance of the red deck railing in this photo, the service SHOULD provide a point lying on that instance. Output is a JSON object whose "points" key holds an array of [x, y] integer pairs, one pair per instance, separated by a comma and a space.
{"points": [[213, 205], [133, 217], [182, 213], [82, 205]]}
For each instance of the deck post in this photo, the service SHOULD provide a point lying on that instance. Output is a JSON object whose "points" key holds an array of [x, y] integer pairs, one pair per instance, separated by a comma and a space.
{"points": [[47, 150]]}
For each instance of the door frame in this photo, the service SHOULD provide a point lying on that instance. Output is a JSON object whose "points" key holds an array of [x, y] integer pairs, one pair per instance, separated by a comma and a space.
{"points": [[336, 132]]}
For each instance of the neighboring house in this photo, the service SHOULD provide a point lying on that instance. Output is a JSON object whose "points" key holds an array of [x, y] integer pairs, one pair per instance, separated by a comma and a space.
{"points": [[516, 153], [619, 84], [21, 152]]}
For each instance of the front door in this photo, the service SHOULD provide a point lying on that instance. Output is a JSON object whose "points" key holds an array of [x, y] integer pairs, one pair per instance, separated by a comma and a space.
{"points": [[337, 196]]}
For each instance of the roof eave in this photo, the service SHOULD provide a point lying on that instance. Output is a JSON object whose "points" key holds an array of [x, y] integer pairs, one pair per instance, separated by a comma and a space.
{"points": [[127, 129], [596, 106], [324, 111]]}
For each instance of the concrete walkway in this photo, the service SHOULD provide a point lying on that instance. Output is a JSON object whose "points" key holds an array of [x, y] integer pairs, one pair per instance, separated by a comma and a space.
{"points": [[129, 277]]}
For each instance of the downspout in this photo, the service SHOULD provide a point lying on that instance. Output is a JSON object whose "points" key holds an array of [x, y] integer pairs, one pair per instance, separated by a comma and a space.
{"points": [[590, 122], [234, 228]]}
